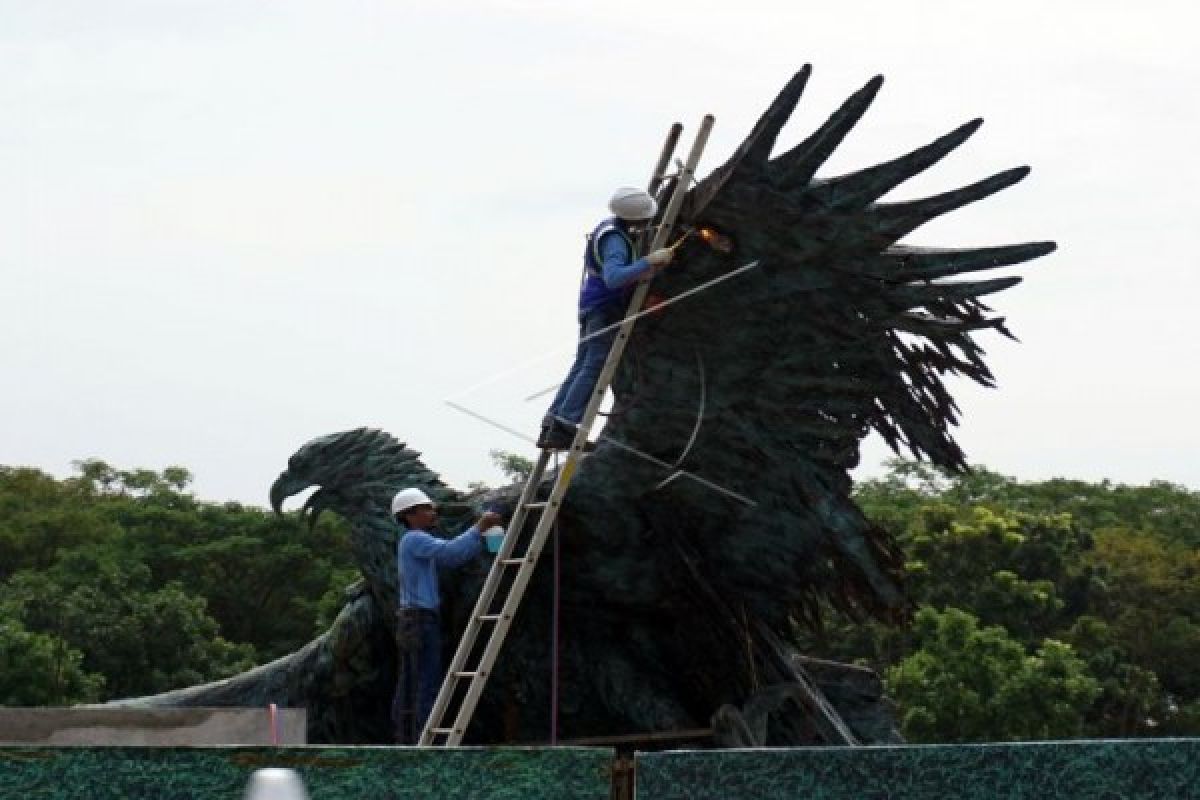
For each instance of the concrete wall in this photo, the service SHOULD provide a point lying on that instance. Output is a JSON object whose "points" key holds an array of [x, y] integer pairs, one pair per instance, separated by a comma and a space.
{"points": [[157, 727]]}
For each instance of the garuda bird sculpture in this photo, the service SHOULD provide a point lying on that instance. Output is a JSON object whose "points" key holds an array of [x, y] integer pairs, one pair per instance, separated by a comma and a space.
{"points": [[680, 582]]}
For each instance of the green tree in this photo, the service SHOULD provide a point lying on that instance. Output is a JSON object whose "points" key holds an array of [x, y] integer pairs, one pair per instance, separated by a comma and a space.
{"points": [[1152, 603], [141, 639], [516, 468], [1113, 570], [263, 575], [41, 670], [41, 517], [1131, 701], [1159, 507], [176, 478], [967, 683], [1007, 567], [153, 588], [1021, 571], [96, 474]]}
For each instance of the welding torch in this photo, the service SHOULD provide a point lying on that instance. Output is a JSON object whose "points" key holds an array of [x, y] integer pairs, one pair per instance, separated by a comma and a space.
{"points": [[717, 241]]}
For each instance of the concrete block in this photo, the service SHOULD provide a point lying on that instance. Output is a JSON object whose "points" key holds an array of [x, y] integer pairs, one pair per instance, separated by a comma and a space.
{"points": [[150, 727]]}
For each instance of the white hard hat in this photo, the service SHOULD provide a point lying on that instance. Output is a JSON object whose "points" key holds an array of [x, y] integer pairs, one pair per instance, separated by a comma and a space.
{"points": [[407, 498], [632, 203]]}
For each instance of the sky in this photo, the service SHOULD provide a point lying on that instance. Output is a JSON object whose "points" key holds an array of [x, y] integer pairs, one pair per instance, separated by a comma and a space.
{"points": [[227, 227]]}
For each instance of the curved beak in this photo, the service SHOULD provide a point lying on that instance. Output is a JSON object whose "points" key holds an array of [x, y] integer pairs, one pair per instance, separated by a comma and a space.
{"points": [[317, 502], [284, 487]]}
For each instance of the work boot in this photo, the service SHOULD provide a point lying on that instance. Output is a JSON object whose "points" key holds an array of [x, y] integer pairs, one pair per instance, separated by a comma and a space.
{"points": [[556, 439], [558, 436]]}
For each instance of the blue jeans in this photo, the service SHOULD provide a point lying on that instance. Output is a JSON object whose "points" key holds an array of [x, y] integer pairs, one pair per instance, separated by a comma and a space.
{"points": [[420, 637], [572, 398]]}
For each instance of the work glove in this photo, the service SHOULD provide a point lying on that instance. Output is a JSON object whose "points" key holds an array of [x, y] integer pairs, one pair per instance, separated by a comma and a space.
{"points": [[660, 257]]}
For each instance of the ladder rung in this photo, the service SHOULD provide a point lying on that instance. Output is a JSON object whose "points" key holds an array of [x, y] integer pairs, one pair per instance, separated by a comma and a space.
{"points": [[539, 504], [444, 730], [490, 617], [466, 674], [512, 561]]}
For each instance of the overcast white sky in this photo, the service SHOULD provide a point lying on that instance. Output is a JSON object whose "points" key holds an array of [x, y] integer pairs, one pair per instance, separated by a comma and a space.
{"points": [[227, 227]]}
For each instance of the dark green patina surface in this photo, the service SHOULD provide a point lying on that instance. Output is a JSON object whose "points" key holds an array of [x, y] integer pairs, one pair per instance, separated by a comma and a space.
{"points": [[1162, 769], [680, 573], [379, 773]]}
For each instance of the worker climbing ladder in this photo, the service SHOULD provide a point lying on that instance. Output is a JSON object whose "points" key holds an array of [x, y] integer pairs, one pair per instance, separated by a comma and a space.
{"points": [[513, 568]]}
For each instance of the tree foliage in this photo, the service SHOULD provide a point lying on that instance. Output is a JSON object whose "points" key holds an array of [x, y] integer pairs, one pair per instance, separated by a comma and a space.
{"points": [[1098, 581], [1045, 609], [967, 683], [119, 582], [37, 669], [517, 468]]}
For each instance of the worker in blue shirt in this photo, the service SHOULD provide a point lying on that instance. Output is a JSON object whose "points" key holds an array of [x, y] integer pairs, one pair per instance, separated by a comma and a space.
{"points": [[419, 554], [610, 272]]}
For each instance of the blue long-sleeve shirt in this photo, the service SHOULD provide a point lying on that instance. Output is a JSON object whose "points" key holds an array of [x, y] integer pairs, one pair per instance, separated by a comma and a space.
{"points": [[616, 262], [611, 267], [419, 554]]}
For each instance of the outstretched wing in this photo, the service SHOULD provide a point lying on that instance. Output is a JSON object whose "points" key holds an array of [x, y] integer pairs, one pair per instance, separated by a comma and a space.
{"points": [[775, 376]]}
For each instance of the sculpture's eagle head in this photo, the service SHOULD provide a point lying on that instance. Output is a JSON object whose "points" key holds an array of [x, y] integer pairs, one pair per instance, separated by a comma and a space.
{"points": [[357, 472], [354, 470]]}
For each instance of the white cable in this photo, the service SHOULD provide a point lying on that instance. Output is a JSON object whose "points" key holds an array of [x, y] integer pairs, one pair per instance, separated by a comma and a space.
{"points": [[602, 437], [646, 456], [493, 423], [644, 312]]}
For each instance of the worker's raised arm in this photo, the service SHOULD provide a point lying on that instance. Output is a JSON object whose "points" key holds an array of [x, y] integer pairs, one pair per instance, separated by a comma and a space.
{"points": [[446, 552], [617, 265]]}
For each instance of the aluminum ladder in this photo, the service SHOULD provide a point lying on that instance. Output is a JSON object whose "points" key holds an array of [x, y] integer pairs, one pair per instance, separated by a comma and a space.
{"points": [[513, 567]]}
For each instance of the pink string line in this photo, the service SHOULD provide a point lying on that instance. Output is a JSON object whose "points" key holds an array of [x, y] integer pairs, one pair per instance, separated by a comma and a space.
{"points": [[554, 638], [273, 714]]}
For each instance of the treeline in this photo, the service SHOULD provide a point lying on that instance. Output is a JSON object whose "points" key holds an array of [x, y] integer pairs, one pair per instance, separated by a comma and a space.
{"points": [[119, 583], [1049, 609]]}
